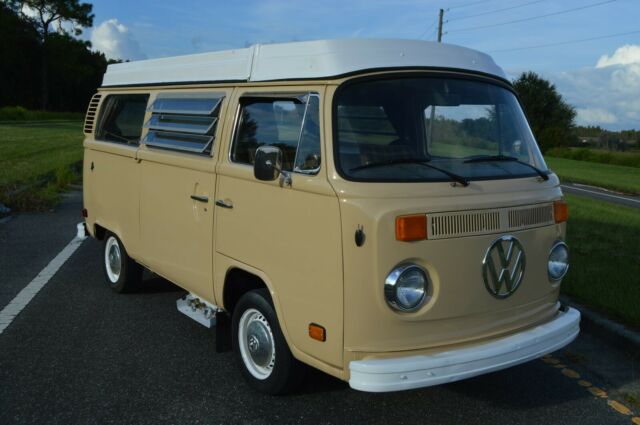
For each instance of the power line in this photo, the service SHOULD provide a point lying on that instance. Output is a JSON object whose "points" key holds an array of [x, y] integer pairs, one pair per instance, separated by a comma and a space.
{"points": [[497, 10], [560, 43], [433, 34], [433, 24], [534, 17], [468, 4]]}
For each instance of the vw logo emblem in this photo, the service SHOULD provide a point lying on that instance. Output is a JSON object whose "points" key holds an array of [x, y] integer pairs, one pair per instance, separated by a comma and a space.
{"points": [[503, 266]]}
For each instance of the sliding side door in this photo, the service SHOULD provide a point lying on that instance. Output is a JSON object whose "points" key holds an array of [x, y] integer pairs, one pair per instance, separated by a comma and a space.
{"points": [[178, 187]]}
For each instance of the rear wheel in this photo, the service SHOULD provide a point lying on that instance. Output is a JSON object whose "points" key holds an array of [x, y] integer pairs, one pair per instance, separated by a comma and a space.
{"points": [[261, 350], [121, 272]]}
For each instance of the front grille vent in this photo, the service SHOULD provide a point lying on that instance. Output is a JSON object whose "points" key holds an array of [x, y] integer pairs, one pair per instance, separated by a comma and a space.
{"points": [[465, 223], [483, 222], [530, 216], [92, 111]]}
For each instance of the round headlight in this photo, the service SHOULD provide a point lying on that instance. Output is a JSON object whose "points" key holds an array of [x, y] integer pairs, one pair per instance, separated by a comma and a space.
{"points": [[406, 287], [558, 261]]}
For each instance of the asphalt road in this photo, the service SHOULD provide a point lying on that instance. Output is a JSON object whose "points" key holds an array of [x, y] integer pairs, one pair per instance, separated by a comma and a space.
{"points": [[601, 194], [80, 353]]}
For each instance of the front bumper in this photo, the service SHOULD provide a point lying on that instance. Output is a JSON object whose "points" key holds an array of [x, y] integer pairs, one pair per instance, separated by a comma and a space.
{"points": [[426, 370]]}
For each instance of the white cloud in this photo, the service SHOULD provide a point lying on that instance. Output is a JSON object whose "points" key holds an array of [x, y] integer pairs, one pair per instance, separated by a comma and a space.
{"points": [[116, 41], [624, 55], [586, 116], [607, 94]]}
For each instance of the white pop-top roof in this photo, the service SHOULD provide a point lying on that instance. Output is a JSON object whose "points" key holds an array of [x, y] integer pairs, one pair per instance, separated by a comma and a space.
{"points": [[300, 60]]}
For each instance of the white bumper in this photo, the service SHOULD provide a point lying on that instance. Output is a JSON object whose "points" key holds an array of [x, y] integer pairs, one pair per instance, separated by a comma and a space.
{"points": [[423, 371]]}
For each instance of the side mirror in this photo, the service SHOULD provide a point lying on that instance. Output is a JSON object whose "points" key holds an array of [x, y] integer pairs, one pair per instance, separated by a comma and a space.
{"points": [[268, 163]]}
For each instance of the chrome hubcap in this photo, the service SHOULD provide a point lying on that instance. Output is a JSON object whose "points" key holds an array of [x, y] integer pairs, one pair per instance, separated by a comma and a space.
{"points": [[257, 346], [113, 259], [259, 342]]}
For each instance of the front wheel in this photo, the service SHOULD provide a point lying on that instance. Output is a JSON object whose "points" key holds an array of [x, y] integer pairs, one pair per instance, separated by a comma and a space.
{"points": [[261, 350], [121, 271]]}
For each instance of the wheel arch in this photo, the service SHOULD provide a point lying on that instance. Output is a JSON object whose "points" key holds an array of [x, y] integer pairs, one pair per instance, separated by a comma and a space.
{"points": [[99, 232], [238, 279], [238, 282], [245, 270]]}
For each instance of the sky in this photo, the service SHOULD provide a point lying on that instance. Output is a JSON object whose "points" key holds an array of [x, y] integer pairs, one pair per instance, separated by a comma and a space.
{"points": [[600, 77]]}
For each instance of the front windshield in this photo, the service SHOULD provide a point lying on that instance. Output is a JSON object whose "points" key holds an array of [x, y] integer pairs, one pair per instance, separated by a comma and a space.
{"points": [[388, 129]]}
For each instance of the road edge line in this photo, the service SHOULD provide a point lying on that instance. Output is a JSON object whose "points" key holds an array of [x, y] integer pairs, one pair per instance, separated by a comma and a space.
{"points": [[24, 297]]}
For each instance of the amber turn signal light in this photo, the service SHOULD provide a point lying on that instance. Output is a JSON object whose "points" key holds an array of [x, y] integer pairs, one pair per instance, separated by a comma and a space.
{"points": [[317, 332], [411, 227], [560, 211]]}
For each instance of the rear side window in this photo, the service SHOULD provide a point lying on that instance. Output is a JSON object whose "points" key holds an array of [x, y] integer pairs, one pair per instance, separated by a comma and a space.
{"points": [[122, 117], [184, 122], [289, 124]]}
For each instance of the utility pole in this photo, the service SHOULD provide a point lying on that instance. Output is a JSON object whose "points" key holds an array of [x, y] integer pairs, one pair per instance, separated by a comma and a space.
{"points": [[440, 16]]}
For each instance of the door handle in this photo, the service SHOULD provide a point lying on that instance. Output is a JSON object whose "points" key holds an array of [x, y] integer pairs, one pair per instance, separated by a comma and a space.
{"points": [[200, 198], [223, 204]]}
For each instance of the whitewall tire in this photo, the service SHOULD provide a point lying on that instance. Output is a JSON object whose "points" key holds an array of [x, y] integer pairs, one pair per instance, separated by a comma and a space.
{"points": [[121, 272], [261, 349]]}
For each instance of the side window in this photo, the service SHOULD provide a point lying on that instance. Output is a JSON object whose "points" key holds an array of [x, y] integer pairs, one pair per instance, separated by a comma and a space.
{"points": [[289, 124], [308, 154], [121, 118], [184, 121]]}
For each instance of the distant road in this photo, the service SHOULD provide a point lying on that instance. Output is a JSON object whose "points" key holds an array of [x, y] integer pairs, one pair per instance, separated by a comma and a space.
{"points": [[602, 195]]}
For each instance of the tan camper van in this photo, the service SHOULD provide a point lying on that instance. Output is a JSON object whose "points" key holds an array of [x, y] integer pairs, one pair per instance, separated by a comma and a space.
{"points": [[376, 209]]}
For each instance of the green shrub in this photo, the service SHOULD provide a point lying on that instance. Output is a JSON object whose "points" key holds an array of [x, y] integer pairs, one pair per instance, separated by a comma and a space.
{"points": [[627, 159], [35, 198], [18, 113], [13, 113], [63, 177]]}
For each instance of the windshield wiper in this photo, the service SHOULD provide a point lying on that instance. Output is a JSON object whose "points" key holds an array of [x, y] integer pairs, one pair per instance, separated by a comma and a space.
{"points": [[492, 158], [420, 161]]}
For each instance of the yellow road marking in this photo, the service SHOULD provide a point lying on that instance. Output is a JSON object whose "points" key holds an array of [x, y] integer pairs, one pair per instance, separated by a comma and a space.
{"points": [[619, 407], [598, 392], [570, 373]]}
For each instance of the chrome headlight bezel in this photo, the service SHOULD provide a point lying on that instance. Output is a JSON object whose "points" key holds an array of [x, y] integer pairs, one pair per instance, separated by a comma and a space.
{"points": [[556, 245], [393, 280]]}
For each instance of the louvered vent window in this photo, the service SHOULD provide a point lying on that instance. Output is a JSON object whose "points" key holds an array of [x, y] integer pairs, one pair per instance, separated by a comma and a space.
{"points": [[184, 121], [90, 118]]}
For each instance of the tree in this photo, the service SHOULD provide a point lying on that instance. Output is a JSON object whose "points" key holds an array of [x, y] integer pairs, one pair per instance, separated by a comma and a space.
{"points": [[19, 61], [74, 71], [550, 117], [64, 16]]}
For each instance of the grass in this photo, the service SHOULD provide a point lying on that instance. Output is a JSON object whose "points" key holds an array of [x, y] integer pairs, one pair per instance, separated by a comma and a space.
{"points": [[14, 113], [37, 160], [632, 398], [627, 159], [614, 177], [605, 257]]}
